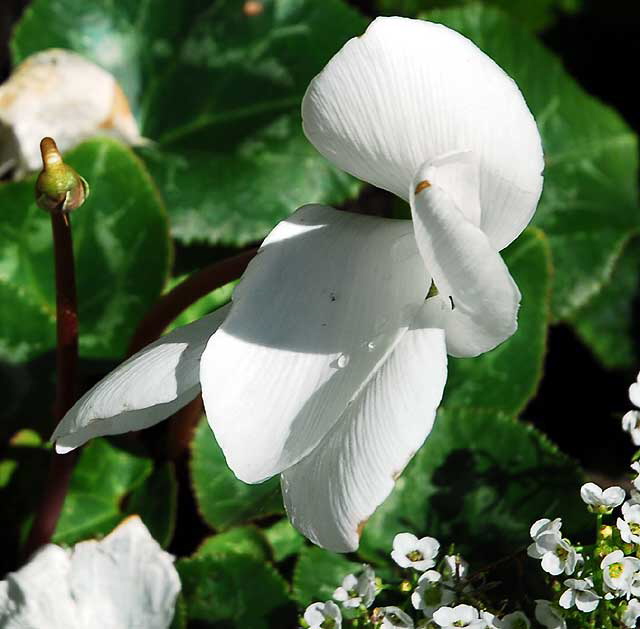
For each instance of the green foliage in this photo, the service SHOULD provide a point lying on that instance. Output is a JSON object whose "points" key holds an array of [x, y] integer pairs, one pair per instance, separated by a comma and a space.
{"points": [[506, 378], [22, 463], [102, 477], [589, 206], [480, 481], [155, 501], [232, 587], [223, 500], [284, 539], [607, 323], [534, 15], [203, 306], [318, 573], [122, 251], [229, 154], [244, 540]]}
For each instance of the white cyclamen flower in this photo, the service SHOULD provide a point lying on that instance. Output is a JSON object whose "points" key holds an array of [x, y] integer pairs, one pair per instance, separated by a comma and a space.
{"points": [[548, 616], [629, 524], [432, 593], [631, 424], [393, 618], [557, 554], [411, 552], [323, 616], [580, 593], [331, 363], [459, 616], [356, 591], [59, 93], [125, 580], [620, 573], [631, 613], [601, 501], [515, 620]]}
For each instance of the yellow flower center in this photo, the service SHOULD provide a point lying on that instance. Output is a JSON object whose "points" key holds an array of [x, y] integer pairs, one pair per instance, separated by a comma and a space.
{"points": [[415, 555], [616, 570]]}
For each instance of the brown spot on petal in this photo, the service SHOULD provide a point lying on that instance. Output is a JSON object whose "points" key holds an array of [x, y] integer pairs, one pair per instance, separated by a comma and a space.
{"points": [[252, 8], [361, 526], [423, 185]]}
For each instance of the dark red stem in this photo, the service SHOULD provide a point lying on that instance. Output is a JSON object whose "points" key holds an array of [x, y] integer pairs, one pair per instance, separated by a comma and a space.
{"points": [[176, 301], [61, 466]]}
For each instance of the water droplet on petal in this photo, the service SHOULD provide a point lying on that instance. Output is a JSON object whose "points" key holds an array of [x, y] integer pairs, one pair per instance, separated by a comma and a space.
{"points": [[371, 346], [343, 361]]}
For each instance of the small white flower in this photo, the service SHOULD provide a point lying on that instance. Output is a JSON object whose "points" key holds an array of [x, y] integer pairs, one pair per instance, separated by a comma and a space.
{"points": [[323, 616], [634, 392], [516, 620], [459, 616], [545, 525], [557, 554], [631, 424], [600, 501], [580, 594], [124, 580], [629, 524], [619, 571], [455, 567], [356, 591], [411, 552], [394, 618], [548, 616], [432, 593], [631, 613]]}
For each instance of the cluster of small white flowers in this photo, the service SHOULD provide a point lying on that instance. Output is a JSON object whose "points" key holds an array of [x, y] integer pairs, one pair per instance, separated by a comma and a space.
{"points": [[438, 589], [605, 573]]}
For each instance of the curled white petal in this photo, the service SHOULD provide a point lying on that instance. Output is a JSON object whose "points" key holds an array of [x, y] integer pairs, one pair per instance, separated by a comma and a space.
{"points": [[480, 298], [147, 388], [408, 91]]}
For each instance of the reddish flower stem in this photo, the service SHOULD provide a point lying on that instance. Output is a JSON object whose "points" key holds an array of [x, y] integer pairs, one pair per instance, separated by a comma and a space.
{"points": [[61, 466], [176, 301]]}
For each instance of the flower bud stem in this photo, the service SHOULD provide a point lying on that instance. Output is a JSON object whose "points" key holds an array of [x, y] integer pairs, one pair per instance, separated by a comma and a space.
{"points": [[61, 467]]}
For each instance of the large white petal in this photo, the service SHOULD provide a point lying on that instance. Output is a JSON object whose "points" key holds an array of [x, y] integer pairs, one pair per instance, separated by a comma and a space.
{"points": [[147, 388], [125, 580], [407, 91], [324, 301], [330, 494], [38, 595], [478, 296]]}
